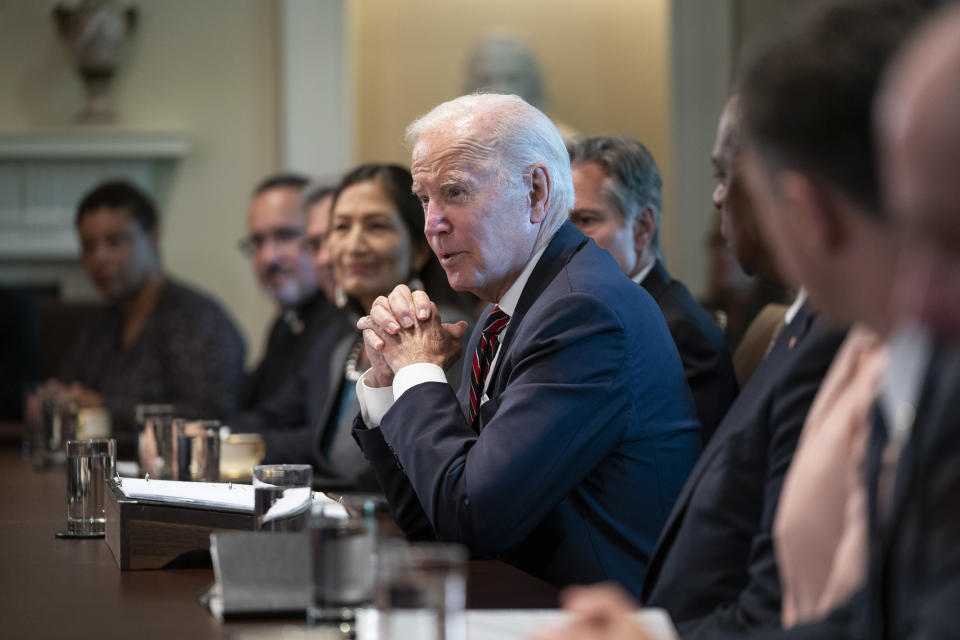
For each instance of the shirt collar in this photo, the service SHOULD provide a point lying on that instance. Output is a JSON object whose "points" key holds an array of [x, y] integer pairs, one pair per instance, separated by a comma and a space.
{"points": [[795, 307], [508, 301], [639, 278], [910, 347]]}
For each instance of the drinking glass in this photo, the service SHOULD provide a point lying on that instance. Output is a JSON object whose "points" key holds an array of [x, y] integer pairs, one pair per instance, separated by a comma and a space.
{"points": [[155, 422], [59, 424], [197, 450], [89, 464], [343, 544], [282, 494], [420, 591]]}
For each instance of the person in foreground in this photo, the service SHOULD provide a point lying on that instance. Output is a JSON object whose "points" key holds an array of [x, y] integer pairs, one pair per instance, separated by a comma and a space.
{"points": [[721, 528], [157, 341], [912, 477], [821, 214], [617, 203], [574, 428]]}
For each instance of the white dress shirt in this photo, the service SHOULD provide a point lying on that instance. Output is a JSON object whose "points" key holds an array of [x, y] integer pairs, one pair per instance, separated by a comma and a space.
{"points": [[639, 278], [795, 307], [376, 401]]}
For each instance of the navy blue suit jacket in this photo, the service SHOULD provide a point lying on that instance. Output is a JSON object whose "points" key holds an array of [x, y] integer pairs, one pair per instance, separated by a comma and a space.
{"points": [[571, 467], [714, 567]]}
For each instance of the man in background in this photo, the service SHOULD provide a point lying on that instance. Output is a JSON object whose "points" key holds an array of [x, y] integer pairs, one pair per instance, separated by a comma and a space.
{"points": [[157, 340], [617, 203], [276, 224]]}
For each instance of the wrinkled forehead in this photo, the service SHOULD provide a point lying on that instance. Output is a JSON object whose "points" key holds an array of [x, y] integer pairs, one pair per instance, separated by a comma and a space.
{"points": [[457, 153]]}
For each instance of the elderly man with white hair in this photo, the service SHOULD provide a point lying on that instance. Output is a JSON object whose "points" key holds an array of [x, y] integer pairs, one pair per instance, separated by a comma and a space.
{"points": [[574, 429]]}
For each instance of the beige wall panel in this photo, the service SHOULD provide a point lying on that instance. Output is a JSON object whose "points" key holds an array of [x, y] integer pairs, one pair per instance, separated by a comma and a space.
{"points": [[207, 68], [605, 65]]}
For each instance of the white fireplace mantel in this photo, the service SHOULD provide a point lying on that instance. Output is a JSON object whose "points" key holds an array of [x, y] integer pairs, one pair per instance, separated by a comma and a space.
{"points": [[43, 175]]}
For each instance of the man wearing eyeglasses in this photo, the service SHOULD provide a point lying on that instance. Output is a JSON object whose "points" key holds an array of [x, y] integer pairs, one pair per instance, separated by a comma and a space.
{"points": [[276, 226]]}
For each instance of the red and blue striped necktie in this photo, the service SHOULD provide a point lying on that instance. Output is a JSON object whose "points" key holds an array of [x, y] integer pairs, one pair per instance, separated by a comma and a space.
{"points": [[492, 326]]}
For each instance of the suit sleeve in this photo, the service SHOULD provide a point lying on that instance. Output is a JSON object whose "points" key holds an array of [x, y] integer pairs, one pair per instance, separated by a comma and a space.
{"points": [[758, 604], [561, 412], [404, 504]]}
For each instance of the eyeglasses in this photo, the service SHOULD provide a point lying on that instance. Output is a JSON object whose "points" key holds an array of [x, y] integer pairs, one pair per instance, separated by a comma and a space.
{"points": [[281, 236]]}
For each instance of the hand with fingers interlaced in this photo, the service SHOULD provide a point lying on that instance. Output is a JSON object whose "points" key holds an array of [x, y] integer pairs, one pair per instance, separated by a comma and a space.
{"points": [[405, 328]]}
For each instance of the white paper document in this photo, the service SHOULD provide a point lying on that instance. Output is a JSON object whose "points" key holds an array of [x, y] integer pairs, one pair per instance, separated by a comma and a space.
{"points": [[508, 624], [208, 495]]}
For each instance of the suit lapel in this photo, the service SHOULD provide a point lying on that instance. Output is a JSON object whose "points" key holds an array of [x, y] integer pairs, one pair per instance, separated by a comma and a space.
{"points": [[564, 245]]}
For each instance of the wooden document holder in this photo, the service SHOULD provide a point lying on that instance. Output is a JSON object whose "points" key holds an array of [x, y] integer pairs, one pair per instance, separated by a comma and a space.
{"points": [[143, 534]]}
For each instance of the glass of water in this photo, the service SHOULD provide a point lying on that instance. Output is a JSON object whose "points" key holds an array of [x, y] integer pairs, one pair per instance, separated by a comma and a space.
{"points": [[421, 591], [89, 464], [196, 450], [343, 545], [58, 414], [282, 494], [155, 422]]}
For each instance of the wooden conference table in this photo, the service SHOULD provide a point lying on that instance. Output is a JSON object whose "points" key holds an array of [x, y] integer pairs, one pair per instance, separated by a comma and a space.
{"points": [[54, 588]]}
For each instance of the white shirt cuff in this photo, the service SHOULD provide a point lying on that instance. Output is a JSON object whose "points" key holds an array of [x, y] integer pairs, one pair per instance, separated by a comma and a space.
{"points": [[374, 401], [414, 374]]}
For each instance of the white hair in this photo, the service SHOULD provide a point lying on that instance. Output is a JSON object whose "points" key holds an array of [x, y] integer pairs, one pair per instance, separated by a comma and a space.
{"points": [[514, 134]]}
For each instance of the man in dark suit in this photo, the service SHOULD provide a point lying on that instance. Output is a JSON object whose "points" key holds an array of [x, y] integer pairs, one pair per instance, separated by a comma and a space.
{"points": [[914, 579], [913, 575], [827, 232], [574, 428], [812, 167], [617, 203], [276, 225]]}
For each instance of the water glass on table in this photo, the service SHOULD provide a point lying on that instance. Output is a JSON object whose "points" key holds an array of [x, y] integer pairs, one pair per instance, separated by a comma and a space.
{"points": [[155, 423], [282, 494], [420, 591], [343, 546], [58, 419], [89, 464], [196, 450]]}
